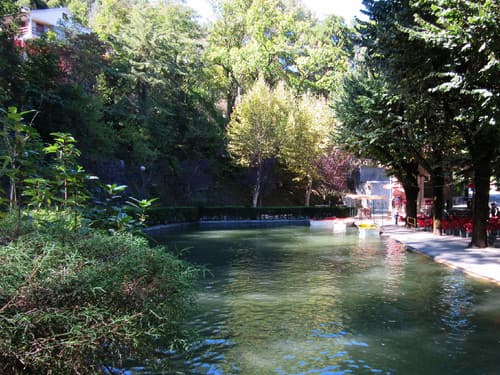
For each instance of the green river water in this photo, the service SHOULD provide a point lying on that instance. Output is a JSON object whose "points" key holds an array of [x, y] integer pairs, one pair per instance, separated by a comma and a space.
{"points": [[291, 300]]}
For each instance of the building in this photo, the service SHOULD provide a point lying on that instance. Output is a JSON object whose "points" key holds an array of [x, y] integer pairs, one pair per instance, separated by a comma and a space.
{"points": [[37, 22]]}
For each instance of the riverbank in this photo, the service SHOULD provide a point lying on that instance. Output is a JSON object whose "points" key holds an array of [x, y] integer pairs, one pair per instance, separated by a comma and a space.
{"points": [[452, 251]]}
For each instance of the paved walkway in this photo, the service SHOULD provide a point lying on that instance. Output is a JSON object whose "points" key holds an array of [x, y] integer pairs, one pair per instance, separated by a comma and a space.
{"points": [[450, 250]]}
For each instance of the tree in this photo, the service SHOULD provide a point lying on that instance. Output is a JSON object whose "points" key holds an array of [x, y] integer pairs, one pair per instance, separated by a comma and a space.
{"points": [[254, 132], [372, 126], [306, 139], [280, 41], [66, 171], [19, 146], [469, 32], [423, 80], [334, 169], [155, 95], [11, 86], [438, 57], [225, 39], [409, 67], [320, 56], [60, 80], [109, 16], [8, 7]]}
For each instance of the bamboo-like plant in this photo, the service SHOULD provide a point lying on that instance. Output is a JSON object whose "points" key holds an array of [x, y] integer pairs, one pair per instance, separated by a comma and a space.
{"points": [[17, 138]]}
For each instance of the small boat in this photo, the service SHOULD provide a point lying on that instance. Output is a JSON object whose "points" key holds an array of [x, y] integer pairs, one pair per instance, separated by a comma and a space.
{"points": [[324, 223], [367, 229], [330, 223]]}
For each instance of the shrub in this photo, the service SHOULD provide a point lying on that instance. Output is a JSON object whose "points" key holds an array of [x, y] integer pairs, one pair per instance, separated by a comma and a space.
{"points": [[69, 306], [287, 212], [164, 215], [11, 227]]}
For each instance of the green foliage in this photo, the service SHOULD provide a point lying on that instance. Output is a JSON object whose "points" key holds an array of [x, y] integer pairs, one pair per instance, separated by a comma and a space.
{"points": [[10, 60], [68, 177], [168, 215], [468, 32], [147, 88], [321, 56], [70, 307], [437, 91], [12, 228], [156, 93], [39, 192], [256, 128], [278, 41], [8, 7], [115, 214], [111, 15], [257, 124], [306, 139], [19, 149], [59, 79], [263, 213], [139, 208], [164, 215]]}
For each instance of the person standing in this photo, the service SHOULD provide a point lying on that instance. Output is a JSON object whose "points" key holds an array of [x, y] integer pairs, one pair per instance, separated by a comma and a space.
{"points": [[494, 210], [396, 217]]}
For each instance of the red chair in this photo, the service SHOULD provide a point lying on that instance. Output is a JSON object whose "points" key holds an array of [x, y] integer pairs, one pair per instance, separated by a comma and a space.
{"points": [[493, 226], [428, 223], [424, 221], [421, 221], [467, 228], [447, 226], [458, 224]]}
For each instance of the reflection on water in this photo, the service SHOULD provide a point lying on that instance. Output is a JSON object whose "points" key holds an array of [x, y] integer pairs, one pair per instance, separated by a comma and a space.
{"points": [[292, 301]]}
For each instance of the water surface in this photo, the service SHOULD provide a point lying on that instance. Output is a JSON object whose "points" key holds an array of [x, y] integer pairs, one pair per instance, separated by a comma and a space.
{"points": [[294, 301]]}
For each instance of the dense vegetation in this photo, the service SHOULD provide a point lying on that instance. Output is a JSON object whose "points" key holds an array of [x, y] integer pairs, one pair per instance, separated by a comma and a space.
{"points": [[425, 93], [151, 87], [239, 111], [71, 303], [79, 287]]}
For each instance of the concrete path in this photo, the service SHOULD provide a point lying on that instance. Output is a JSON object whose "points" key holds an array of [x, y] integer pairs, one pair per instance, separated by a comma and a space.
{"points": [[450, 250]]}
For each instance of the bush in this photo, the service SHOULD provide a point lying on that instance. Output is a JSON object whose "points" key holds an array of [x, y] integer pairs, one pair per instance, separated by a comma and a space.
{"points": [[72, 302], [165, 215], [11, 228], [287, 212]]}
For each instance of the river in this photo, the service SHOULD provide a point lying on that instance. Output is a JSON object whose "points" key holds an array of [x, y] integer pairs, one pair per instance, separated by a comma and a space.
{"points": [[291, 300]]}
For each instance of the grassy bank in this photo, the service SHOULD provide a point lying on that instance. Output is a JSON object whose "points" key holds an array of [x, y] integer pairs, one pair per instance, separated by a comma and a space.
{"points": [[70, 302]]}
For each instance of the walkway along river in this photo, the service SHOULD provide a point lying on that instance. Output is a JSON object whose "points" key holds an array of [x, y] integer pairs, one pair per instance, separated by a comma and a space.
{"points": [[450, 250]]}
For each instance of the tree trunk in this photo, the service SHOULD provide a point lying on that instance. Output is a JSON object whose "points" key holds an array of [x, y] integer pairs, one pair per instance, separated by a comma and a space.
{"points": [[258, 184], [438, 201], [308, 190], [12, 188], [230, 101], [480, 213], [143, 98], [12, 194], [411, 192]]}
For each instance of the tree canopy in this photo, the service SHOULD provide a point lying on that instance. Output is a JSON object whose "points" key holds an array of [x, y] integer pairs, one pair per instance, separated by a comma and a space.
{"points": [[153, 87], [436, 93]]}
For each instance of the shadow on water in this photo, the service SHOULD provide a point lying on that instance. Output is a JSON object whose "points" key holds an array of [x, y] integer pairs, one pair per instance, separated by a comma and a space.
{"points": [[293, 301]]}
